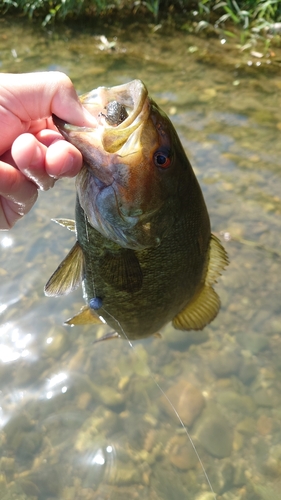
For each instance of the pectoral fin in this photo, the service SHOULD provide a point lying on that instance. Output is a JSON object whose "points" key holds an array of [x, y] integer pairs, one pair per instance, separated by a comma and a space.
{"points": [[68, 223], [122, 270], [205, 305], [68, 275], [86, 316]]}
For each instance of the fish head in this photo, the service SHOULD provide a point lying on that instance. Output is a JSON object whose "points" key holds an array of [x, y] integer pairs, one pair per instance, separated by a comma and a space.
{"points": [[130, 180]]}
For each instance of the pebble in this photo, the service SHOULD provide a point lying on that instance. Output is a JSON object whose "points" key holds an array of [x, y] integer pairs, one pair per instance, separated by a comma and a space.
{"points": [[238, 441], [179, 340], [253, 342], [222, 477], [187, 400], [264, 425], [181, 453], [83, 400], [206, 495], [239, 478], [267, 397], [248, 371], [229, 495], [124, 475], [233, 401], [247, 426], [226, 363], [214, 433], [7, 464]]}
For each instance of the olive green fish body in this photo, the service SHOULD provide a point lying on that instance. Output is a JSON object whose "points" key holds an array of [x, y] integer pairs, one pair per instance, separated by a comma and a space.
{"points": [[167, 276], [144, 248]]}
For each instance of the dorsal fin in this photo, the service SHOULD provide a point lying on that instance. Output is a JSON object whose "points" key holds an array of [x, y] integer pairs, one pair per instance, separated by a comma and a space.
{"points": [[85, 316], [205, 305], [68, 223], [122, 270], [68, 275]]}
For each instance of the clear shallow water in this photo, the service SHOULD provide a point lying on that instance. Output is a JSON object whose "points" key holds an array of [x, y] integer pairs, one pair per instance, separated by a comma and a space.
{"points": [[84, 421]]}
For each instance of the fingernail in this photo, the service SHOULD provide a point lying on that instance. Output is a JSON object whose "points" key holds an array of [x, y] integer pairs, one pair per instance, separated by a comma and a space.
{"points": [[89, 118]]}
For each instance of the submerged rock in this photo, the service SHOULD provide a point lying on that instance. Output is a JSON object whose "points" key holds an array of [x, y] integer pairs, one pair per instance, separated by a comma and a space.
{"points": [[248, 372], [232, 401], [222, 477], [181, 453], [180, 340], [226, 363], [214, 433], [267, 397], [253, 342], [206, 495], [187, 399]]}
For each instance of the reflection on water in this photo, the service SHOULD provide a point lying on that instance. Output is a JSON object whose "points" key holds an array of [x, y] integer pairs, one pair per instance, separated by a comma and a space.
{"points": [[87, 421]]}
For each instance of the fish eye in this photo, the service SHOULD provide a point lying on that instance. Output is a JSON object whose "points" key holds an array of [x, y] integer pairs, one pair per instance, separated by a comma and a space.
{"points": [[162, 159]]}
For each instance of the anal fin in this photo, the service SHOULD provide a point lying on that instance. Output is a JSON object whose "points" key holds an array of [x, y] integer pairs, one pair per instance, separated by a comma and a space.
{"points": [[86, 316], [68, 275], [199, 312]]}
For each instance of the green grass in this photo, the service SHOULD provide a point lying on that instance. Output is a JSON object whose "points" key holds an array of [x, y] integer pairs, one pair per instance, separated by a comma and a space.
{"points": [[247, 22], [221, 14]]}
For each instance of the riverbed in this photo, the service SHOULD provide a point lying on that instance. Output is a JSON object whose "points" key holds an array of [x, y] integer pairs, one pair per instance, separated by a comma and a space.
{"points": [[90, 421]]}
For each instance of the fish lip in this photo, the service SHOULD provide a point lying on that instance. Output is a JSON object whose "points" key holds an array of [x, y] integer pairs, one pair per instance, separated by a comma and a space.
{"points": [[64, 126]]}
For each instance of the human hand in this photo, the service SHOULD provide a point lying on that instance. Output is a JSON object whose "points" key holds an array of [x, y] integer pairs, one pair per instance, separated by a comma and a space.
{"points": [[33, 154]]}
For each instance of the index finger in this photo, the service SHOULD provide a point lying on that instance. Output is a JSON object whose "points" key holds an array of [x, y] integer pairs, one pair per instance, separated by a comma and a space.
{"points": [[31, 97]]}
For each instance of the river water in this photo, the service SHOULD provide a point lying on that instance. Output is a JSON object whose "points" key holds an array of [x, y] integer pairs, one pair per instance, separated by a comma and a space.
{"points": [[88, 421]]}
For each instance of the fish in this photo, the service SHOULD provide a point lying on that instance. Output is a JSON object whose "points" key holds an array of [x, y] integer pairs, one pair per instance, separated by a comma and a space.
{"points": [[144, 250]]}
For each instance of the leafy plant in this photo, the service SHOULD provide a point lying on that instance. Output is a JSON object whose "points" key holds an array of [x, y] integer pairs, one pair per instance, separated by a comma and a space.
{"points": [[247, 14]]}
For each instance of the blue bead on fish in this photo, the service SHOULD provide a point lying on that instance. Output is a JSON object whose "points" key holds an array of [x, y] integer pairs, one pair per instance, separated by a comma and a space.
{"points": [[95, 303]]}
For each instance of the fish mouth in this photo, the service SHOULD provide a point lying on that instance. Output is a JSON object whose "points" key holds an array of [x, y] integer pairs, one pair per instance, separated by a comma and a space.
{"points": [[112, 138]]}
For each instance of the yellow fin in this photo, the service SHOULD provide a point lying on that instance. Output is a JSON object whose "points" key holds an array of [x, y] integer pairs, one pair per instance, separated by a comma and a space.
{"points": [[205, 305], [85, 316], [68, 223], [218, 260], [68, 275], [200, 311]]}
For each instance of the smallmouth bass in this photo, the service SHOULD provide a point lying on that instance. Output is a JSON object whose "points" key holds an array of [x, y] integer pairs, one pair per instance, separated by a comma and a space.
{"points": [[144, 251]]}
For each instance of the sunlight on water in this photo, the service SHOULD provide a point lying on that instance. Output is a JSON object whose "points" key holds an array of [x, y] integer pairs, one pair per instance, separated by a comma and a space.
{"points": [[6, 242]]}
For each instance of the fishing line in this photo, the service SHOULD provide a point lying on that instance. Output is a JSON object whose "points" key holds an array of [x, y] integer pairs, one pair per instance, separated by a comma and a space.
{"points": [[155, 381], [171, 405], [88, 240]]}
